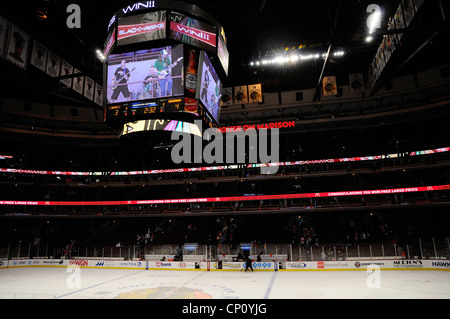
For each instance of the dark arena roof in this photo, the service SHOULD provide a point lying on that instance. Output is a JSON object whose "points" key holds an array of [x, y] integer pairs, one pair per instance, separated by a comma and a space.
{"points": [[354, 96]]}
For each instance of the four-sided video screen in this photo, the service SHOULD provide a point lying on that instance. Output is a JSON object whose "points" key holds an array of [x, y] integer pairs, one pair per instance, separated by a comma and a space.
{"points": [[146, 74], [209, 86], [136, 74]]}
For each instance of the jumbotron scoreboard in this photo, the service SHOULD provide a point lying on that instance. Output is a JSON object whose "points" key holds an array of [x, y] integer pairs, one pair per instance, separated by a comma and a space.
{"points": [[164, 61]]}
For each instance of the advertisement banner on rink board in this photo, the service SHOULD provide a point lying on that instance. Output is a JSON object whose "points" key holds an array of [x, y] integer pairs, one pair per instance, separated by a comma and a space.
{"points": [[113, 264], [238, 266], [19, 263], [179, 265], [348, 265], [366, 264]]}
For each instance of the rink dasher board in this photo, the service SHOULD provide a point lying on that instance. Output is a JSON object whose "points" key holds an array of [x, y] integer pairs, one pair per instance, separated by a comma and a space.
{"points": [[365, 265], [81, 263], [362, 265]]}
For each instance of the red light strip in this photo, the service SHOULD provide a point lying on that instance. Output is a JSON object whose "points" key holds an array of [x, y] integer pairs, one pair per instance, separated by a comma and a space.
{"points": [[232, 199], [218, 168]]}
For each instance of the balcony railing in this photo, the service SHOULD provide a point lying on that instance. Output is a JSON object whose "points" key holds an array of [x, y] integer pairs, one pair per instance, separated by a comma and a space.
{"points": [[430, 248]]}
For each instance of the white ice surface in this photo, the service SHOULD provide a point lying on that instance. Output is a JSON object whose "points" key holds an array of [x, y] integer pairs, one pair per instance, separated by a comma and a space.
{"points": [[41, 283]]}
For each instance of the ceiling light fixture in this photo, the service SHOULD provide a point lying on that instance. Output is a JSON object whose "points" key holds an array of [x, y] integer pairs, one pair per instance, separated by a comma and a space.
{"points": [[293, 59]]}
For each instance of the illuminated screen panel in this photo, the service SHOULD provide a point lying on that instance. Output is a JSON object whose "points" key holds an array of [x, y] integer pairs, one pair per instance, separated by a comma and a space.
{"points": [[146, 74], [109, 43], [209, 86], [235, 198], [161, 125], [192, 31], [222, 53], [141, 28]]}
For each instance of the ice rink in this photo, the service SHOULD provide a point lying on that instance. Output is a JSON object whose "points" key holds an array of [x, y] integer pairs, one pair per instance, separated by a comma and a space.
{"points": [[81, 283]]}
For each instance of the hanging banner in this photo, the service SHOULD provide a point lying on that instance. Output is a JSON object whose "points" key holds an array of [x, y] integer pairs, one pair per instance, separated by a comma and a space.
{"points": [[227, 97], [39, 56], [392, 38], [356, 83], [17, 48], [3, 35], [255, 93], [329, 86], [241, 94], [409, 11], [98, 97], [66, 70], [418, 4], [78, 82], [399, 21], [53, 64], [89, 88]]}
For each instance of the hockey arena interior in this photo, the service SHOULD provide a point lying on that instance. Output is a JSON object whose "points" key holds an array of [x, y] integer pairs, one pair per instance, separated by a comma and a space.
{"points": [[225, 150]]}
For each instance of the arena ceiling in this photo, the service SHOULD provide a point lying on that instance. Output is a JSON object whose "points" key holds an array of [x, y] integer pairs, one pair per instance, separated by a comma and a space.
{"points": [[256, 29]]}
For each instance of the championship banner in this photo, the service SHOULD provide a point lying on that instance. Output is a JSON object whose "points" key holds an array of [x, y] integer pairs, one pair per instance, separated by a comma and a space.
{"points": [[89, 88], [3, 35], [53, 64], [98, 97], [241, 94], [78, 82], [66, 70], [39, 56], [329, 86], [356, 83], [255, 93], [17, 48], [227, 97]]}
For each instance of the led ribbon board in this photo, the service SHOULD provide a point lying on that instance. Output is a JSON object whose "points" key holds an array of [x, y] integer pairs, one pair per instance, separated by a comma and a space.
{"points": [[231, 199], [215, 168]]}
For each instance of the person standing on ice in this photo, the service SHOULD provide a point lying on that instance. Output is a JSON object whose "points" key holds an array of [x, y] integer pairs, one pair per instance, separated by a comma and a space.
{"points": [[248, 264]]}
